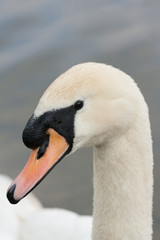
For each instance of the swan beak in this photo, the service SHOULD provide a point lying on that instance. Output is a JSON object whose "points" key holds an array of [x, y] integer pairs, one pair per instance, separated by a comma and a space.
{"points": [[38, 166]]}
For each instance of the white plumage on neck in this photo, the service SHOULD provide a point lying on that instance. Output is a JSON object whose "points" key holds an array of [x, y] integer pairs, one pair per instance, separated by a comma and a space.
{"points": [[123, 183]]}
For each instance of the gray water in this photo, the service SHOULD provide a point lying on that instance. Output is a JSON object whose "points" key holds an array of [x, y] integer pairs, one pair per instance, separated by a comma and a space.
{"points": [[39, 40]]}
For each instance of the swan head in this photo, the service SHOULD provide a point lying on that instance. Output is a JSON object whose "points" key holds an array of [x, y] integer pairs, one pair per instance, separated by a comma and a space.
{"points": [[89, 104]]}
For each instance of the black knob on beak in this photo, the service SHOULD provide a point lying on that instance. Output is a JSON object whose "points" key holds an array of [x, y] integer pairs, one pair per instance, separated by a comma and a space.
{"points": [[34, 132]]}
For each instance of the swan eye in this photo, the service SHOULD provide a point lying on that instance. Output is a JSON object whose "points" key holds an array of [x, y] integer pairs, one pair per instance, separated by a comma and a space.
{"points": [[78, 105]]}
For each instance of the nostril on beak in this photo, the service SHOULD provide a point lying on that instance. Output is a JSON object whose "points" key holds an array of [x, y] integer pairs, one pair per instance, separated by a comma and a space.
{"points": [[43, 147], [10, 194]]}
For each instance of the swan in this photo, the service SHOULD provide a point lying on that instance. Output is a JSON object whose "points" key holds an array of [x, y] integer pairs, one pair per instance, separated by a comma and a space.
{"points": [[56, 224], [94, 104], [24, 221], [11, 217]]}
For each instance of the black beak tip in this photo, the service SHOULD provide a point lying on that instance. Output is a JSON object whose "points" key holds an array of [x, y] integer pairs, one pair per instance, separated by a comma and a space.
{"points": [[10, 194]]}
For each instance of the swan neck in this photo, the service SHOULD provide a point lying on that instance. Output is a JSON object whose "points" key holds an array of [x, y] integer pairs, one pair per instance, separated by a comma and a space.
{"points": [[123, 189]]}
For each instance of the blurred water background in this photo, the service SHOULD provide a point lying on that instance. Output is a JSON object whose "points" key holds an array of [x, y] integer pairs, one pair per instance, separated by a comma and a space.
{"points": [[39, 40]]}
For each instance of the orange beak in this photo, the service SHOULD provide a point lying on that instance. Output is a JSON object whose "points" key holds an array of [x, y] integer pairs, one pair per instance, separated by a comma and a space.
{"points": [[36, 169]]}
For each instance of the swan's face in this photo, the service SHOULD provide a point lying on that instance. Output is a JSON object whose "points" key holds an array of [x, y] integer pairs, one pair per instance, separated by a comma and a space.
{"points": [[85, 106]]}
